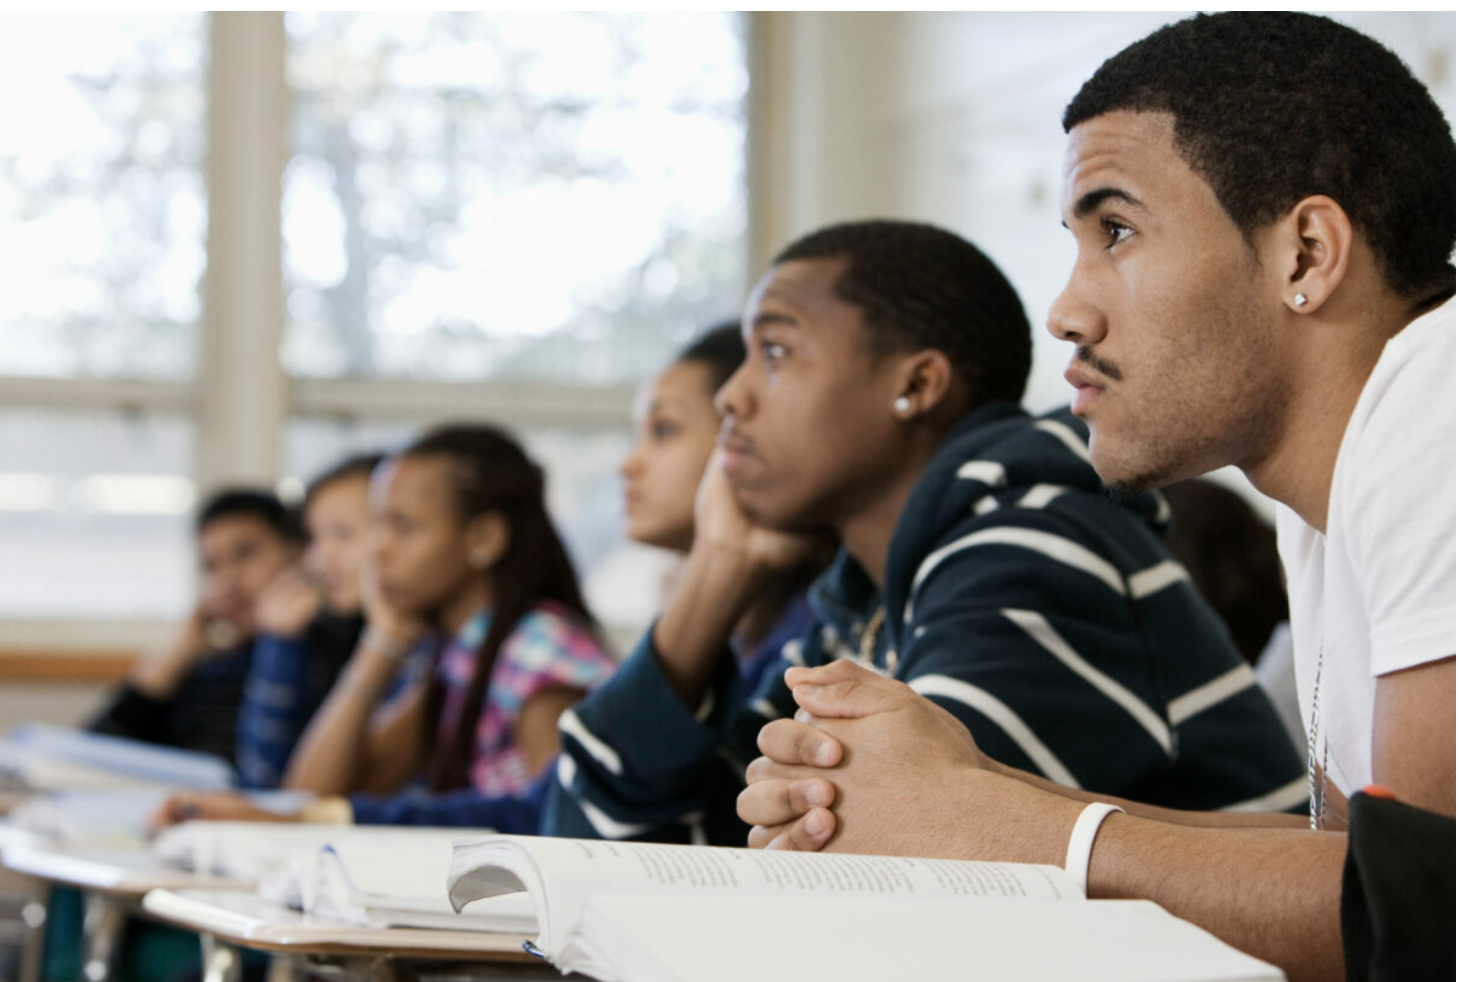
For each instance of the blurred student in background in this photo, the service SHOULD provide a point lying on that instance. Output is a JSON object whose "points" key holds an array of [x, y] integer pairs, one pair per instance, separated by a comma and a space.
{"points": [[464, 555], [1231, 554], [676, 425], [309, 621], [186, 693]]}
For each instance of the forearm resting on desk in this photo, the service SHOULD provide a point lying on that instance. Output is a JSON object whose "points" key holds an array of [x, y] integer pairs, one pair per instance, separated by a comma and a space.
{"points": [[1274, 893]]}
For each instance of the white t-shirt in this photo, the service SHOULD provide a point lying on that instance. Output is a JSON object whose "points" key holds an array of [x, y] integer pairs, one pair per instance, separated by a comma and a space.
{"points": [[1378, 592]]}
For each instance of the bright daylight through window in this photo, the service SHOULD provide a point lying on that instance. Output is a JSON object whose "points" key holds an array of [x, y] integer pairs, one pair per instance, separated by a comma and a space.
{"points": [[540, 200]]}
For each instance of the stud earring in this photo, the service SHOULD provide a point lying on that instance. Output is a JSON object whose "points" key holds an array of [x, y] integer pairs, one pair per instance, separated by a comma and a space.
{"points": [[1300, 299], [901, 404]]}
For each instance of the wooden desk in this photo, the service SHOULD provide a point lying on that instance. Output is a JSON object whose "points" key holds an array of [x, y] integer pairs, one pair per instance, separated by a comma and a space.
{"points": [[230, 920]]}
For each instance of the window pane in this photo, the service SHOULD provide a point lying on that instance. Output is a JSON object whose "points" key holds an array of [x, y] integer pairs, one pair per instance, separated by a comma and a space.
{"points": [[95, 515], [102, 213], [548, 196]]}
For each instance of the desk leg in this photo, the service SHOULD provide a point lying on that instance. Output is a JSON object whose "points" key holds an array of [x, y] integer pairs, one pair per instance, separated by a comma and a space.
{"points": [[105, 919], [222, 962], [33, 945], [286, 968], [365, 968]]}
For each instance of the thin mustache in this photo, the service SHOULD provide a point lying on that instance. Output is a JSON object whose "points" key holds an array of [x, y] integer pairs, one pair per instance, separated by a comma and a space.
{"points": [[730, 435], [1086, 356]]}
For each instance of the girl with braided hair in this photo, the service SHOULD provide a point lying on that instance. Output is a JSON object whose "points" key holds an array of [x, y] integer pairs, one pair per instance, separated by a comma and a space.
{"points": [[477, 640]]}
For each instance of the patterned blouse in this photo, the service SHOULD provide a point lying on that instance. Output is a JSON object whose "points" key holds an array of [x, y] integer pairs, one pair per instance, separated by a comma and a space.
{"points": [[550, 647]]}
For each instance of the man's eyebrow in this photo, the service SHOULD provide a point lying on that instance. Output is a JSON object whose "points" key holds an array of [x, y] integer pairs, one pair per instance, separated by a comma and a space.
{"points": [[1095, 198]]}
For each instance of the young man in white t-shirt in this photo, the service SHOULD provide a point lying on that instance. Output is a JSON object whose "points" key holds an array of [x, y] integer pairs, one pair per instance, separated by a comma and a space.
{"points": [[1263, 206]]}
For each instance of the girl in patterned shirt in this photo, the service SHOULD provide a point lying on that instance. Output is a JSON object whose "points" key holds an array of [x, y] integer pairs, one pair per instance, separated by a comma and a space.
{"points": [[474, 595]]}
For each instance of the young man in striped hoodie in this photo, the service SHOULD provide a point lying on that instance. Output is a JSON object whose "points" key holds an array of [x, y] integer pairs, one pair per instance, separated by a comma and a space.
{"points": [[981, 563]]}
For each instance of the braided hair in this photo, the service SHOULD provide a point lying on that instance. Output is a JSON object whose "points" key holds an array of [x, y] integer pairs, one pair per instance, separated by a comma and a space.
{"points": [[489, 472]]}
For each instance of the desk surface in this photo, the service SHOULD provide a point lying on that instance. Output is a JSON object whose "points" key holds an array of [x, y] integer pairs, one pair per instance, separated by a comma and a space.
{"points": [[249, 921], [127, 874]]}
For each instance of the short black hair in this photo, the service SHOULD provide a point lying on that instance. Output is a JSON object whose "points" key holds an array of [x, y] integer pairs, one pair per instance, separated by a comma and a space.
{"points": [[919, 286], [720, 349], [1271, 107], [256, 503]]}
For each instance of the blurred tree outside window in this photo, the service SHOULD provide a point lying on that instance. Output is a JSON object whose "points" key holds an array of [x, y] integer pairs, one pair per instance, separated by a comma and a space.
{"points": [[552, 200], [102, 225], [556, 196], [102, 203]]}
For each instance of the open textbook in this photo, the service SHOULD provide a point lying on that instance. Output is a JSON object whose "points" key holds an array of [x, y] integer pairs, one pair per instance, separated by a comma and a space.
{"points": [[388, 883], [366, 876], [660, 913], [251, 850]]}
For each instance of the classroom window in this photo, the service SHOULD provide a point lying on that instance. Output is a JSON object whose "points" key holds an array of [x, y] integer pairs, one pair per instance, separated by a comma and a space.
{"points": [[543, 196], [102, 204], [103, 215], [505, 217], [95, 514]]}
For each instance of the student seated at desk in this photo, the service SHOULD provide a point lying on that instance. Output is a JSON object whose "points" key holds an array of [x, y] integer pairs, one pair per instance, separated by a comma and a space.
{"points": [[309, 621], [676, 425], [981, 562], [186, 693], [465, 555], [1231, 555], [1264, 212]]}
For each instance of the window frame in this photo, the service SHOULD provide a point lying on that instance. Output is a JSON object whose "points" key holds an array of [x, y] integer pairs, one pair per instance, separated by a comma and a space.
{"points": [[240, 398]]}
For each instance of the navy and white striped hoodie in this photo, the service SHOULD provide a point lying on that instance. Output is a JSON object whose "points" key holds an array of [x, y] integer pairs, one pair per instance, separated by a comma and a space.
{"points": [[1021, 597]]}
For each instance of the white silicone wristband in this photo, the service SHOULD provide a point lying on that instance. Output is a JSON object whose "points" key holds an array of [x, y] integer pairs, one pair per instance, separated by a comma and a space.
{"points": [[1083, 837]]}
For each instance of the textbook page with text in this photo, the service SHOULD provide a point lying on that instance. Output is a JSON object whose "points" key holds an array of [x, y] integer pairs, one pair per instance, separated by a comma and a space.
{"points": [[620, 911]]}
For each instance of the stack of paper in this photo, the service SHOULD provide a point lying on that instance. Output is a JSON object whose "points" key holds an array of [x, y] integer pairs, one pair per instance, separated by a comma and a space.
{"points": [[369, 876], [39, 757]]}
